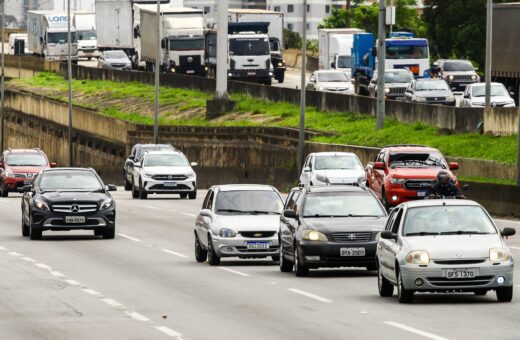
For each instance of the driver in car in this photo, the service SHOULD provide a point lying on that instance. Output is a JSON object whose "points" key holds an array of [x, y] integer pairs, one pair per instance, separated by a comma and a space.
{"points": [[445, 186]]}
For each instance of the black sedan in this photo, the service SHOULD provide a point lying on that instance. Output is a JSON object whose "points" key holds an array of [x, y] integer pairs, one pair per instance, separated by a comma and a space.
{"points": [[68, 199], [334, 226]]}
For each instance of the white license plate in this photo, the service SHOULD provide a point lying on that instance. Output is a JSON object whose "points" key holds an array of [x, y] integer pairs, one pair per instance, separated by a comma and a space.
{"points": [[190, 72], [352, 251], [258, 245], [251, 73], [74, 219], [421, 193], [461, 273], [27, 182], [170, 184]]}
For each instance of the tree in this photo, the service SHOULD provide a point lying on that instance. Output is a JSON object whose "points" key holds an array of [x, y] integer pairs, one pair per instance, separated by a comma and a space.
{"points": [[292, 39]]}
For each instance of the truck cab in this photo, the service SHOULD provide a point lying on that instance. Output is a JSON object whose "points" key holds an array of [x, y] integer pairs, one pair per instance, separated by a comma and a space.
{"points": [[85, 24], [55, 44], [408, 53], [250, 57], [183, 53]]}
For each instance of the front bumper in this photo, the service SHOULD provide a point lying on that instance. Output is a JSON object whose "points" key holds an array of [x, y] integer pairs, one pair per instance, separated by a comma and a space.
{"points": [[88, 53], [161, 186], [329, 254], [237, 246], [249, 74], [401, 194], [188, 69], [55, 221]]}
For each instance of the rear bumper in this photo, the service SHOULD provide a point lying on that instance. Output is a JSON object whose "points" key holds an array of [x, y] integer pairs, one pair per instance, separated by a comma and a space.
{"points": [[329, 254]]}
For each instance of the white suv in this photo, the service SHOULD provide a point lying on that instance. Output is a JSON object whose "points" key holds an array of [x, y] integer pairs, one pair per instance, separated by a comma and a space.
{"points": [[164, 172], [475, 96], [329, 168]]}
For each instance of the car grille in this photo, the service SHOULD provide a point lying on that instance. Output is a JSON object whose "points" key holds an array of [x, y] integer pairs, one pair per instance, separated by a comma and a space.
{"points": [[397, 90], [169, 177], [341, 89], [75, 208], [444, 282], [435, 99], [244, 250], [463, 77], [25, 175], [418, 184], [162, 187], [187, 60], [455, 262], [351, 237], [118, 65], [257, 234]]}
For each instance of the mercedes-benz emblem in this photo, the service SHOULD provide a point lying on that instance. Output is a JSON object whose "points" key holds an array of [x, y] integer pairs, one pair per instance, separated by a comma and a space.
{"points": [[190, 59], [459, 254], [351, 236], [74, 208], [494, 104], [170, 177]]}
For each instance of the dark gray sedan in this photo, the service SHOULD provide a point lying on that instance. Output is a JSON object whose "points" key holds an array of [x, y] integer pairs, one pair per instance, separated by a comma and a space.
{"points": [[115, 60], [429, 91]]}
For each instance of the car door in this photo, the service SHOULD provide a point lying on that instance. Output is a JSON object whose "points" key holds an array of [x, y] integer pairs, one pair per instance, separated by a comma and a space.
{"points": [[384, 244], [204, 219], [409, 92], [287, 225], [394, 246], [312, 82], [305, 175], [129, 165], [378, 176]]}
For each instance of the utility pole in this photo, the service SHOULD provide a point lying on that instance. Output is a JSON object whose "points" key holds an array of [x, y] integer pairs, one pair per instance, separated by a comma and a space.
{"points": [[157, 75], [489, 32], [2, 85], [381, 66], [222, 50], [69, 76], [301, 140], [392, 15]]}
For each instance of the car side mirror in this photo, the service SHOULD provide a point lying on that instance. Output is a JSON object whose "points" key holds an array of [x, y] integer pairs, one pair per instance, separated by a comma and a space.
{"points": [[137, 165], [289, 213], [111, 187], [307, 169], [333, 65], [379, 166], [465, 187], [374, 52], [388, 235], [508, 232], [205, 213], [194, 164], [512, 93], [131, 157], [453, 165], [53, 165], [466, 96], [476, 69], [27, 188]]}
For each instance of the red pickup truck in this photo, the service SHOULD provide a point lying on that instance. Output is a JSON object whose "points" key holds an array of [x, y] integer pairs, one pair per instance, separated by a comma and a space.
{"points": [[405, 172]]}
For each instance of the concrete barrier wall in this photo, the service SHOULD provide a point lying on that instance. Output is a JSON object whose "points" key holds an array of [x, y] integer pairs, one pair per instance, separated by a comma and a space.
{"points": [[503, 122]]}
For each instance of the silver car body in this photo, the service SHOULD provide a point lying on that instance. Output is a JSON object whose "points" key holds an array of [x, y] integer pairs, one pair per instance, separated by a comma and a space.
{"points": [[446, 253], [343, 87], [311, 176], [119, 62], [470, 100]]}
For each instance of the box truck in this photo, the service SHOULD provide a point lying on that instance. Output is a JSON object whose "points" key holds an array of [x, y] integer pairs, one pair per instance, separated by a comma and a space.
{"points": [[335, 46], [85, 24]]}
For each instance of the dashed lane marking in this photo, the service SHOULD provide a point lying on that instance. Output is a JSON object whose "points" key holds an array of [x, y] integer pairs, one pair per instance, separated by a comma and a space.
{"points": [[309, 295], [91, 291], [236, 272], [174, 253], [188, 214], [57, 274], [137, 316], [73, 282], [130, 237], [151, 207], [415, 331], [112, 302], [13, 253], [43, 266], [3, 248], [169, 331]]}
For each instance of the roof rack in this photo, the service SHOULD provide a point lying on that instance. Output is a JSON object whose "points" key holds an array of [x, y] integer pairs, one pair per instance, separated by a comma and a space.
{"points": [[405, 145]]}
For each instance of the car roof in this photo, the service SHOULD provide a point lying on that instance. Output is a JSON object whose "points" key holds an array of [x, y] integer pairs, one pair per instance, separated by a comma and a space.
{"points": [[334, 188], [24, 151], [428, 80], [440, 202], [332, 153], [329, 71], [163, 152], [68, 169], [244, 187], [410, 148]]}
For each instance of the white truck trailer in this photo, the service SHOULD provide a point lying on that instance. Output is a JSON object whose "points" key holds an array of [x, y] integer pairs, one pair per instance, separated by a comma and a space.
{"points": [[85, 24], [181, 39], [275, 32], [335, 46], [47, 35]]}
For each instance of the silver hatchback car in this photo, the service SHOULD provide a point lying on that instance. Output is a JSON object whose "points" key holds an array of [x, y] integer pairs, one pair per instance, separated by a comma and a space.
{"points": [[444, 246]]}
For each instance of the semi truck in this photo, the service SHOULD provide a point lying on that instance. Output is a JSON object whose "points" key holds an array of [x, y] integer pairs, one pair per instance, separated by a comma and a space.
{"points": [[85, 24], [47, 35], [181, 39], [249, 54], [401, 53], [275, 32], [335, 48]]}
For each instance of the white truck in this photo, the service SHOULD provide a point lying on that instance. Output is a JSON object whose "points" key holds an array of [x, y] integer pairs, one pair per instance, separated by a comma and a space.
{"points": [[181, 39], [47, 35], [335, 46], [85, 24], [275, 32]]}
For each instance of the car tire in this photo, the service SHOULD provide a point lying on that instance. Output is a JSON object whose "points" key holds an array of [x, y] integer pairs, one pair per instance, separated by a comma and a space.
{"points": [[286, 266], [504, 294], [5, 192], [26, 231], [213, 258], [35, 233], [281, 78], [192, 195], [300, 269], [480, 292], [404, 295], [201, 254], [128, 185], [384, 200], [135, 192], [142, 192], [386, 289], [109, 233]]}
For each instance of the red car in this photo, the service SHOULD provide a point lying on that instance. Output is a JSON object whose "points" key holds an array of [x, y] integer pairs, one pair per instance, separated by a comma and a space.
{"points": [[18, 167], [402, 173]]}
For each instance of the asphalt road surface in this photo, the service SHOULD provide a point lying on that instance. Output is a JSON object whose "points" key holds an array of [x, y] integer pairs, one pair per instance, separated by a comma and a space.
{"points": [[145, 284]]}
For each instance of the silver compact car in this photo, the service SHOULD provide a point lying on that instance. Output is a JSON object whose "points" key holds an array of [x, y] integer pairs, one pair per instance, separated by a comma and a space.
{"points": [[444, 246], [238, 221]]}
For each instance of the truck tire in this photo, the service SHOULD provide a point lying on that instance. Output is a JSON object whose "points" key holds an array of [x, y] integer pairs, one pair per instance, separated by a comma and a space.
{"points": [[281, 78]]}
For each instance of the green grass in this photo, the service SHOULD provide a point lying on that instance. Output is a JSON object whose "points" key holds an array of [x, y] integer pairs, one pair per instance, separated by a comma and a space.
{"points": [[486, 180], [342, 127]]}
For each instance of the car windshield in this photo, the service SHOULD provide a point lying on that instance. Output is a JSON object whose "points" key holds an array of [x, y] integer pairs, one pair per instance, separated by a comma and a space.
{"points": [[417, 160], [70, 180], [115, 55], [26, 159], [165, 160], [186, 44], [238, 202], [337, 162], [398, 77], [496, 91], [60, 37], [432, 85], [447, 220], [458, 66], [249, 46], [344, 61], [342, 204], [331, 77], [86, 35], [406, 52]]}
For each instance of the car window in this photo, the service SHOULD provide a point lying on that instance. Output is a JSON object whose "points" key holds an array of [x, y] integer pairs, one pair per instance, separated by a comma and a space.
{"points": [[397, 221], [391, 219], [206, 199], [380, 157], [312, 78], [307, 162], [291, 200], [210, 201]]}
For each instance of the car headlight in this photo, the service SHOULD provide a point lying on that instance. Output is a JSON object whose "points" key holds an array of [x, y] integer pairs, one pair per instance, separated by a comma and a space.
{"points": [[190, 174], [147, 174], [321, 88], [226, 232], [106, 204], [9, 173], [479, 104], [280, 64], [322, 178], [420, 99], [450, 98], [498, 255], [451, 77], [41, 205], [387, 90], [418, 257], [396, 180], [313, 235], [473, 77]]}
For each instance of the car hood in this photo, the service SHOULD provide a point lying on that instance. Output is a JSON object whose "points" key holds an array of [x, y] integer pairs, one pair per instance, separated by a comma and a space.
{"points": [[392, 85], [422, 173], [335, 84], [494, 99], [341, 175], [117, 61], [346, 224], [460, 73], [447, 246], [240, 223], [433, 93], [68, 196], [26, 169], [167, 170]]}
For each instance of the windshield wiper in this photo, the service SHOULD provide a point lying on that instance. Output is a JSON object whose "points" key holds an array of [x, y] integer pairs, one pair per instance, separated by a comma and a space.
{"points": [[422, 233], [43, 191], [354, 215], [230, 210], [462, 232], [318, 215], [257, 212]]}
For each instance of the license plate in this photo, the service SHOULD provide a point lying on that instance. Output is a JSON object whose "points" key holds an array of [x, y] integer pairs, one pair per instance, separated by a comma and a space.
{"points": [[421, 193], [251, 73], [27, 182], [190, 72], [461, 273], [352, 251], [258, 245], [170, 184], [74, 219]]}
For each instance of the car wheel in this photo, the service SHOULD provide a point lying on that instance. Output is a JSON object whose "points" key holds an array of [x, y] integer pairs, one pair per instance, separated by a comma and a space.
{"points": [[285, 265], [385, 201], [192, 195], [142, 192], [480, 292], [109, 233], [300, 269], [128, 185], [26, 231], [386, 289], [5, 193], [504, 294], [135, 192], [213, 259], [201, 254], [35, 233], [404, 295], [183, 196]]}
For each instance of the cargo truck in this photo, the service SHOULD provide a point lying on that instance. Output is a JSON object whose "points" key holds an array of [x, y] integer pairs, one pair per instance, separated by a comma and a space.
{"points": [[275, 32], [85, 24], [47, 35], [335, 47], [181, 39]]}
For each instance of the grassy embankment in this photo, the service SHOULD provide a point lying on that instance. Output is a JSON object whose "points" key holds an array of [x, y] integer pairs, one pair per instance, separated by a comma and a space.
{"points": [[134, 102]]}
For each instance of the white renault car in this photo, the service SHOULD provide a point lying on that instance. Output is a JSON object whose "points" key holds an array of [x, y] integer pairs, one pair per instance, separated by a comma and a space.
{"points": [[330, 81], [329, 168], [475, 96], [164, 172], [238, 220]]}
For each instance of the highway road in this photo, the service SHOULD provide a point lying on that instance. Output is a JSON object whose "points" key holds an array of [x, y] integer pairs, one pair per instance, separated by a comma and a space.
{"points": [[145, 284]]}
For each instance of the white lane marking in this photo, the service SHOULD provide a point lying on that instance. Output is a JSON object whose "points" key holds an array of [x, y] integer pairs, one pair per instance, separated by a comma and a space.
{"points": [[112, 302], [137, 316], [130, 237], [28, 259], [515, 248], [415, 331], [168, 331], [3, 248], [174, 253], [91, 291], [188, 214], [73, 282], [236, 272], [150, 207], [43, 266], [57, 273], [13, 253], [309, 295]]}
